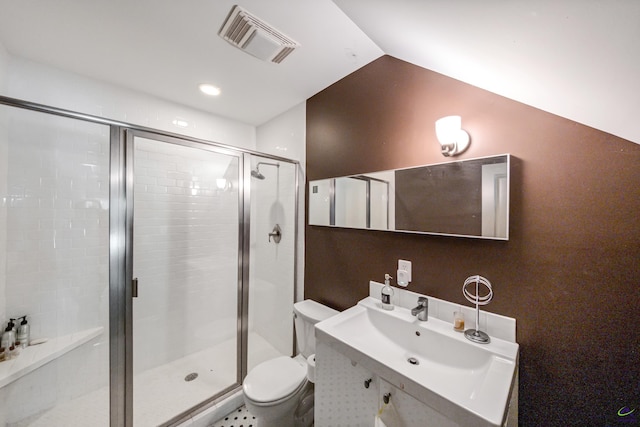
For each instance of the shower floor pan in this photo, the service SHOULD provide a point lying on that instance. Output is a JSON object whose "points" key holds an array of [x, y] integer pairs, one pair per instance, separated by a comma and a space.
{"points": [[160, 393]]}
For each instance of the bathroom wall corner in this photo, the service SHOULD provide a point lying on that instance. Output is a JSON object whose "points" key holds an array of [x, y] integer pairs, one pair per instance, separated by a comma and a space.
{"points": [[285, 136]]}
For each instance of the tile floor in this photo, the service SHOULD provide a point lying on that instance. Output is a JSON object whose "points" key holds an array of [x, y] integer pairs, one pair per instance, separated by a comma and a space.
{"points": [[241, 417]]}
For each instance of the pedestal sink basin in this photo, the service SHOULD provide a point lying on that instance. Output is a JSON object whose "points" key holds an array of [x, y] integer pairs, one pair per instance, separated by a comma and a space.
{"points": [[428, 360]]}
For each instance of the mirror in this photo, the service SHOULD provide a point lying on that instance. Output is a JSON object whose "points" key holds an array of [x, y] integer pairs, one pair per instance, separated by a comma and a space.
{"points": [[468, 198]]}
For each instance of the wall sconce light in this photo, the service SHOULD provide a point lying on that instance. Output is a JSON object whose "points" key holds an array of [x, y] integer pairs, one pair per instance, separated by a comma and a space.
{"points": [[453, 139]]}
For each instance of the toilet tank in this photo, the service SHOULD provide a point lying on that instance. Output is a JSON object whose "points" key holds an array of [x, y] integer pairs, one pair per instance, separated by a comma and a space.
{"points": [[306, 314]]}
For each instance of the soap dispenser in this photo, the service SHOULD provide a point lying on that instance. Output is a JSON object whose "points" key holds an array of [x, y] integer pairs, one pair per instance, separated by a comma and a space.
{"points": [[8, 339], [12, 325], [24, 333], [387, 293]]}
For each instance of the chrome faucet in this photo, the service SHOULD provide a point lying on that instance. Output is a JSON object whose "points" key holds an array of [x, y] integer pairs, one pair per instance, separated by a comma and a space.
{"points": [[422, 310]]}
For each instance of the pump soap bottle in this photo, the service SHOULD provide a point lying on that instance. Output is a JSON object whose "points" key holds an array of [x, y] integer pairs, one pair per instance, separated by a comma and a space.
{"points": [[387, 293], [8, 340], [24, 333]]}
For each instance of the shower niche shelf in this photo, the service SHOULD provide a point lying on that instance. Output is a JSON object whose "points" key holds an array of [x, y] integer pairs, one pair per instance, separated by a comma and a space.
{"points": [[35, 356]]}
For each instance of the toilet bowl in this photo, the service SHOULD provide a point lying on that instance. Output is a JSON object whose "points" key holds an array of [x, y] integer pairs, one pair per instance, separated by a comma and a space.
{"points": [[273, 389]]}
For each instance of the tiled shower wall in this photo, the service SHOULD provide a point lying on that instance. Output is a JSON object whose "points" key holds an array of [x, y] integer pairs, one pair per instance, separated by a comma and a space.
{"points": [[54, 218], [285, 135], [57, 223], [272, 266], [185, 251]]}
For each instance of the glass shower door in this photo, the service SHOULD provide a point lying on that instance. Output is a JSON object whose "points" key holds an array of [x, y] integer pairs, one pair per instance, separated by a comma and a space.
{"points": [[186, 238], [272, 264]]}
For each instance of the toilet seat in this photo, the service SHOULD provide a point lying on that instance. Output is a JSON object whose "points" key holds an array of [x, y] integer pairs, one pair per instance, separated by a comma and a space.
{"points": [[274, 380]]}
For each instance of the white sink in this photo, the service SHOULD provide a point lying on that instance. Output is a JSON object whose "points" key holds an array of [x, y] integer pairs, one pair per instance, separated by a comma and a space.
{"points": [[464, 380]]}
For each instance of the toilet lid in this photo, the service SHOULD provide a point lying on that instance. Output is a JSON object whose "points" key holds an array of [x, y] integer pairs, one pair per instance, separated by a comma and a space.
{"points": [[274, 379]]}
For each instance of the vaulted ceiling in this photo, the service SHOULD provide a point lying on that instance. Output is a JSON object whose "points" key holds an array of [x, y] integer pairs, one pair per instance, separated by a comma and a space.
{"points": [[576, 58]]}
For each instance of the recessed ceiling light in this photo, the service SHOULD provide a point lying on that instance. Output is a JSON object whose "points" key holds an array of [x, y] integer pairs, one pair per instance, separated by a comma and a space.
{"points": [[209, 89]]}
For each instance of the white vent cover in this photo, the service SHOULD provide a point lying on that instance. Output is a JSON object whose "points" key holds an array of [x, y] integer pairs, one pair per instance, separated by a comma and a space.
{"points": [[256, 37]]}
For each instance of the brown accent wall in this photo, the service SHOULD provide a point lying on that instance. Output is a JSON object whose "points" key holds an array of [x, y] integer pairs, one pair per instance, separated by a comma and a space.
{"points": [[570, 273]]}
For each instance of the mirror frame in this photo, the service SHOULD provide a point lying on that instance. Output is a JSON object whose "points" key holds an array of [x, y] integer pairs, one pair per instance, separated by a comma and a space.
{"points": [[329, 185]]}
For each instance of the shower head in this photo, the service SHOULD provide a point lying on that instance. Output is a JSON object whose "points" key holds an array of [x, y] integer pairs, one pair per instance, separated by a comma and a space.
{"points": [[256, 173]]}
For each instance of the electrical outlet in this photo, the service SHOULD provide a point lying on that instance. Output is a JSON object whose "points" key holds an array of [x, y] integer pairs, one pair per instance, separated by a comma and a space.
{"points": [[406, 266]]}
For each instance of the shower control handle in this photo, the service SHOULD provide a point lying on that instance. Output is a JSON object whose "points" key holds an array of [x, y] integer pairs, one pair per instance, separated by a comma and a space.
{"points": [[276, 234]]}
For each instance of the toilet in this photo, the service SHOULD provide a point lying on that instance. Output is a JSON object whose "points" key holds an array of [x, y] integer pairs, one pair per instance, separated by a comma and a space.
{"points": [[275, 390]]}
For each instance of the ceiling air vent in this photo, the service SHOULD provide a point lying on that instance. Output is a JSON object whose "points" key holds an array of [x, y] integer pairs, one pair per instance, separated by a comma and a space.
{"points": [[256, 37]]}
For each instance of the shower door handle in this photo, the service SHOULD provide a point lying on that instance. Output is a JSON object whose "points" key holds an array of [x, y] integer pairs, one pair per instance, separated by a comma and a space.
{"points": [[134, 287]]}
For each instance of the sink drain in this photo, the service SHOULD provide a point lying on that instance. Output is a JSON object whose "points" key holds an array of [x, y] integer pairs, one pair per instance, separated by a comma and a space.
{"points": [[192, 376], [413, 361]]}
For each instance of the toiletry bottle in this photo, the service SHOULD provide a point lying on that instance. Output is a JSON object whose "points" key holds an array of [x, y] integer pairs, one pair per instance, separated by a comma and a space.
{"points": [[23, 332], [8, 338], [12, 325], [387, 293], [458, 320]]}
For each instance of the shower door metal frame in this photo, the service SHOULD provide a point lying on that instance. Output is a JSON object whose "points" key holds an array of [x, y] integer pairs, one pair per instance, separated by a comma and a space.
{"points": [[121, 259], [120, 337], [246, 267], [243, 349], [129, 141]]}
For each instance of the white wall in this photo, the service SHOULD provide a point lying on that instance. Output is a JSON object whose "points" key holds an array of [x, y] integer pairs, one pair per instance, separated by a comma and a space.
{"points": [[38, 83], [285, 136], [271, 291], [56, 246], [57, 229], [4, 61]]}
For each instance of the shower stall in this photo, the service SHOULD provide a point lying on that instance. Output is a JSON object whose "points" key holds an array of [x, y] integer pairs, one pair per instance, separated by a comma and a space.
{"points": [[154, 269]]}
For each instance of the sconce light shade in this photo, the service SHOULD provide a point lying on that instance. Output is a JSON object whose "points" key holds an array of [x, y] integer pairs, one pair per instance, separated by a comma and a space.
{"points": [[453, 139]]}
